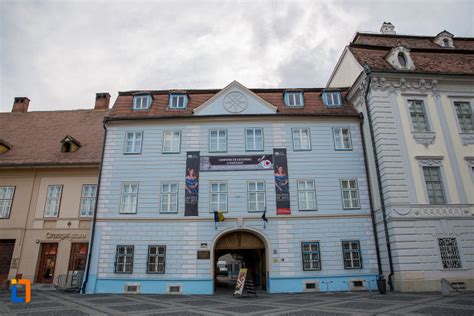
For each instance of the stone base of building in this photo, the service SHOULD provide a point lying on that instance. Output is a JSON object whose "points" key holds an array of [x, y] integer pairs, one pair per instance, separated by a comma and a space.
{"points": [[432, 285]]}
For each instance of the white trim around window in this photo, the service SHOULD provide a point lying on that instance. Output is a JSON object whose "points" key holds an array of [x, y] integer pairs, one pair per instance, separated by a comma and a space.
{"points": [[133, 142], [129, 198], [342, 138], [6, 200], [178, 101], [218, 196], [169, 197], [171, 142], [88, 197], [294, 99], [141, 102], [256, 196], [254, 139], [301, 139], [53, 200], [307, 195], [217, 140], [350, 194]]}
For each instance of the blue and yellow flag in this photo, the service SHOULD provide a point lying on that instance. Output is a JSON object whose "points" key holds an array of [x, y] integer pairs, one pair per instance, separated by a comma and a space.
{"points": [[218, 217]]}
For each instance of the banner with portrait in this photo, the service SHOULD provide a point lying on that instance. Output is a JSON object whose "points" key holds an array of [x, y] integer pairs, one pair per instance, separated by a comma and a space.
{"points": [[191, 189], [282, 185]]}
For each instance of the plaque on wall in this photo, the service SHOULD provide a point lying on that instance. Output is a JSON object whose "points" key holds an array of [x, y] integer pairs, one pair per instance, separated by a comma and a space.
{"points": [[239, 162], [204, 254]]}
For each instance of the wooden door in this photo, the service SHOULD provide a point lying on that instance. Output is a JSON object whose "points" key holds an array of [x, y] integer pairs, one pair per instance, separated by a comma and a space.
{"points": [[78, 257], [6, 253], [47, 263]]}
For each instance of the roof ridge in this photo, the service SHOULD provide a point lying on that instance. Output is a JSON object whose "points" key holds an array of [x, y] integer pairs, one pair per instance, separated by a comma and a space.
{"points": [[409, 35], [57, 111]]}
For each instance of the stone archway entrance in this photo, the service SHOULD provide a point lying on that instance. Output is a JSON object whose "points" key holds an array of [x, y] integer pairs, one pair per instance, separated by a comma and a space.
{"points": [[235, 250]]}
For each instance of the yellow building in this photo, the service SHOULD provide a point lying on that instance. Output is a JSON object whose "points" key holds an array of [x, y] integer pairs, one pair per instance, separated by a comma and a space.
{"points": [[49, 163]]}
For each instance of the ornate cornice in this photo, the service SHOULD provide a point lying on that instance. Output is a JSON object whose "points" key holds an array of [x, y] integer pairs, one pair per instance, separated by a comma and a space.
{"points": [[426, 139], [404, 84], [430, 160], [420, 211]]}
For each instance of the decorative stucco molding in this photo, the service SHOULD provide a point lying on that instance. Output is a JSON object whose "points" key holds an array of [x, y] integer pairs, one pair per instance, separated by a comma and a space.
{"points": [[467, 138], [431, 211], [404, 84], [426, 139], [430, 160], [400, 59]]}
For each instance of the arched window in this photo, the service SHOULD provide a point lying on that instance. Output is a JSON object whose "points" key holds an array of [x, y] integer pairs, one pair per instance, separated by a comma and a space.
{"points": [[402, 59]]}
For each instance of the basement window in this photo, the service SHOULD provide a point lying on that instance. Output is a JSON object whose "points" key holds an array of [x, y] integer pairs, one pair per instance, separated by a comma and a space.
{"points": [[69, 145]]}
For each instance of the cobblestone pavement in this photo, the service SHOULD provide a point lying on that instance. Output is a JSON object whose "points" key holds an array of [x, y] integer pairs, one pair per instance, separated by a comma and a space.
{"points": [[53, 303]]}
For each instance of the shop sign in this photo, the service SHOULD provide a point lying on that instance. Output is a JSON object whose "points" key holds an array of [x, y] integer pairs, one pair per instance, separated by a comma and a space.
{"points": [[203, 254], [63, 236]]}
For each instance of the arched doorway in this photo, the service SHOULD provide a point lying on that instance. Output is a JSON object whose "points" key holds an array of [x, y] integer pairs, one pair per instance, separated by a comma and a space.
{"points": [[239, 249]]}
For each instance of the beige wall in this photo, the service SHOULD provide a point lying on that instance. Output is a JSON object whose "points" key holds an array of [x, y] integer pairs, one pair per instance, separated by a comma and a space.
{"points": [[26, 223]]}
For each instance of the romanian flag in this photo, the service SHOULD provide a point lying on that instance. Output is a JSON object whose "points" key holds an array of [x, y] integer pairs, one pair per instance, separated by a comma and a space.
{"points": [[218, 217]]}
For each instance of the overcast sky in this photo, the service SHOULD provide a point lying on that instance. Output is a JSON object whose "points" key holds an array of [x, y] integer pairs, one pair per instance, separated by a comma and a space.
{"points": [[60, 53]]}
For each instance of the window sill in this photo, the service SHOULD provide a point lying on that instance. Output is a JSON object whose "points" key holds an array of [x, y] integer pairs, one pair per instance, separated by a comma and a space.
{"points": [[302, 149], [351, 208], [132, 154], [170, 152], [343, 149], [315, 210], [467, 138]]}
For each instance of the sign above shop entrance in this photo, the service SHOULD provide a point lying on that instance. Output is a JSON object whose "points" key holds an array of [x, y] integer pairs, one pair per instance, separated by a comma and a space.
{"points": [[63, 236]]}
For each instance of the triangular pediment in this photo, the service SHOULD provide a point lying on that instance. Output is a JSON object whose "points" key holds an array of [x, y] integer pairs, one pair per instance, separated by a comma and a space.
{"points": [[235, 99]]}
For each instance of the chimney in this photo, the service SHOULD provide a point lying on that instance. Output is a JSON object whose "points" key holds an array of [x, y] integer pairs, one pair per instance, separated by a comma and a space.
{"points": [[102, 101], [20, 104], [387, 28]]}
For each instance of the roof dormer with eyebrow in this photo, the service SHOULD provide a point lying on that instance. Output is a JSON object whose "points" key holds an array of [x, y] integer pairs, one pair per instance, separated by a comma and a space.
{"points": [[37, 138], [233, 100]]}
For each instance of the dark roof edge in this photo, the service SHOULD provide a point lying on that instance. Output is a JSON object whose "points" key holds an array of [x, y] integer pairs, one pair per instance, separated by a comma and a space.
{"points": [[416, 50], [414, 72], [58, 111], [128, 118], [206, 91], [409, 36]]}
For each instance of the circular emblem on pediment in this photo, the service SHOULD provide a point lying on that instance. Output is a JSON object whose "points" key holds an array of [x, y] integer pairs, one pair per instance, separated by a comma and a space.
{"points": [[235, 102]]}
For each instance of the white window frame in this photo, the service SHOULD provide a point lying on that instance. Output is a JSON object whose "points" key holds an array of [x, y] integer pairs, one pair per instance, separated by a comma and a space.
{"points": [[128, 190], [254, 143], [257, 192], [417, 115], [173, 149], [298, 133], [351, 198], [6, 201], [220, 147], [141, 102], [128, 254], [291, 98], [157, 255], [172, 197], [50, 209], [133, 143], [461, 127], [332, 98], [303, 189], [338, 134], [351, 251], [222, 196], [87, 200], [178, 101]]}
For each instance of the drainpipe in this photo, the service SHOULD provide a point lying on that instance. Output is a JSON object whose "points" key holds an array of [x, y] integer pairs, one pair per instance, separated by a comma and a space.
{"points": [[372, 211], [379, 179], [84, 283]]}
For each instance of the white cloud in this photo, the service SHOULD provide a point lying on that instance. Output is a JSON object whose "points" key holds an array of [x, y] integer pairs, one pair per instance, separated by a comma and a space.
{"points": [[60, 54]]}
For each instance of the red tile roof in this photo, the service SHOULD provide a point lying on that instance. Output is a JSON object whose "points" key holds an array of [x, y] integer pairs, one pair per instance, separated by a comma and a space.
{"points": [[313, 104], [428, 57], [35, 137]]}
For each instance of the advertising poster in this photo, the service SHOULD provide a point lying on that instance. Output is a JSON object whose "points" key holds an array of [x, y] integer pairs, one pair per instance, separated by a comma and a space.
{"points": [[282, 186], [239, 287], [229, 163], [191, 192]]}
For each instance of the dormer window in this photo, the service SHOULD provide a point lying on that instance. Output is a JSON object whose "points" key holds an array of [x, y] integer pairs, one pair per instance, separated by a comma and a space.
{"points": [[178, 101], [332, 98], [294, 99], [4, 146], [141, 102], [444, 39], [69, 145], [400, 59]]}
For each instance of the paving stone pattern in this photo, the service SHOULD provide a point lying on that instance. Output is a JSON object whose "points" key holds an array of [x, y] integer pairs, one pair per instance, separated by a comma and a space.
{"points": [[54, 303]]}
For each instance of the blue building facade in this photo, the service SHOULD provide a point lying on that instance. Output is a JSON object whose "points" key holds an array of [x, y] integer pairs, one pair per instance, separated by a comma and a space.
{"points": [[173, 158]]}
